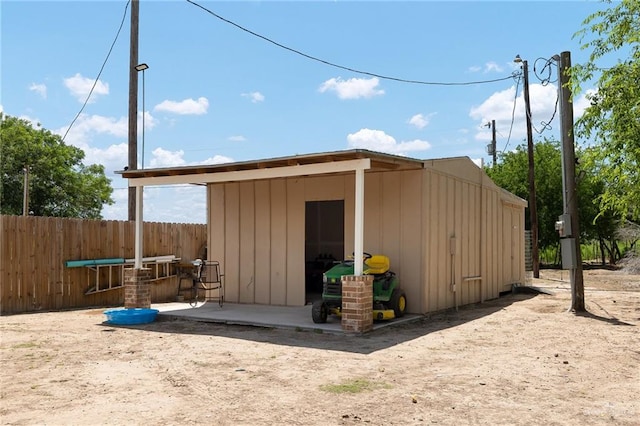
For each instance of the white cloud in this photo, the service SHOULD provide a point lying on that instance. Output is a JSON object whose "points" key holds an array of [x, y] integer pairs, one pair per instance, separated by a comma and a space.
{"points": [[185, 107], [377, 140], [583, 102], [80, 87], [420, 120], [217, 159], [35, 123], [254, 96], [499, 107], [237, 138], [40, 89], [354, 88], [490, 66], [478, 161], [164, 158], [87, 125], [149, 121]]}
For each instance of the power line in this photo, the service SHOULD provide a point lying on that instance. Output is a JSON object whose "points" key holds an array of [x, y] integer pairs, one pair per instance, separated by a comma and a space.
{"points": [[313, 58], [99, 73], [513, 114]]}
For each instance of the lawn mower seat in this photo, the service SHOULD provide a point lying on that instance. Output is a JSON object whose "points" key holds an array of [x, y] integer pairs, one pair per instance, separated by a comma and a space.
{"points": [[377, 264]]}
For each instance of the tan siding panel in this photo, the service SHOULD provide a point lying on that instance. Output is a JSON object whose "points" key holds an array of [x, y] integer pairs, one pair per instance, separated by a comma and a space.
{"points": [[247, 243], [232, 242], [295, 243], [391, 184], [372, 213], [324, 188], [263, 243], [216, 225], [408, 264], [278, 242]]}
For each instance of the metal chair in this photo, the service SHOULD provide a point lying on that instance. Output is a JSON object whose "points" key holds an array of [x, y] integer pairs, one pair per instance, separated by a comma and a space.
{"points": [[208, 282]]}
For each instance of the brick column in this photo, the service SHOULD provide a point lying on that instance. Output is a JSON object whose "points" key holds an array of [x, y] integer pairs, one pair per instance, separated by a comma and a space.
{"points": [[357, 303], [137, 290]]}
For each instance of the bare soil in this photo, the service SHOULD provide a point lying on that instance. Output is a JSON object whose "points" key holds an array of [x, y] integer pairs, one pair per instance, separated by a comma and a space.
{"points": [[521, 359]]}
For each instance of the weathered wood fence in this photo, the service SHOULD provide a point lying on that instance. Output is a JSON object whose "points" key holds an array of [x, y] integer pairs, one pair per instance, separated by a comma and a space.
{"points": [[33, 275]]}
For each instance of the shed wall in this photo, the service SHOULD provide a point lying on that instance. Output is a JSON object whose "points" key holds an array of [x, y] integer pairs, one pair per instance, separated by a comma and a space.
{"points": [[257, 232]]}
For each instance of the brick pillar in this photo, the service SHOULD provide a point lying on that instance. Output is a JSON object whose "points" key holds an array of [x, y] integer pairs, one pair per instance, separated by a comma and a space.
{"points": [[357, 303], [137, 289]]}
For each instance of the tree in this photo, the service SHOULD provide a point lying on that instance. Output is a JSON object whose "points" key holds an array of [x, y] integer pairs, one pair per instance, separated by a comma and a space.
{"points": [[59, 183], [612, 120], [511, 173]]}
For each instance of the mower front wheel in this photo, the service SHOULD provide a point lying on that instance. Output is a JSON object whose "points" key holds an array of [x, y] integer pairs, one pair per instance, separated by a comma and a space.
{"points": [[319, 312], [398, 302]]}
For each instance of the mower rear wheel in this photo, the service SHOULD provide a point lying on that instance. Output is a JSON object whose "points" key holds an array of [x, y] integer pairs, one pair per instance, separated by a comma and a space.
{"points": [[398, 302], [319, 312]]}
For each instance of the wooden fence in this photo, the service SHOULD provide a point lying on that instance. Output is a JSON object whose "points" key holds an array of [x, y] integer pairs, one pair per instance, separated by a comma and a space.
{"points": [[34, 250]]}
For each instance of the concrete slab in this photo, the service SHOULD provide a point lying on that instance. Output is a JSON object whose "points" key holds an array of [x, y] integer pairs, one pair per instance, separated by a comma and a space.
{"points": [[288, 317]]}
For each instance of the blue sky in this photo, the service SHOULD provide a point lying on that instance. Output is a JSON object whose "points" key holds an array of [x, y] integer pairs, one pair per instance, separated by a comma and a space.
{"points": [[214, 93]]}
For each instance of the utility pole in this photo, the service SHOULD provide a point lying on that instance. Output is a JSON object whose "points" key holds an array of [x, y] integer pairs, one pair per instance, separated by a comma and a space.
{"points": [[533, 209], [493, 141], [491, 148], [569, 195], [133, 102]]}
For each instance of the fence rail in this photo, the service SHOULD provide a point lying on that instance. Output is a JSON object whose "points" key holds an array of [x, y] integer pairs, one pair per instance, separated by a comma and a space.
{"points": [[34, 250]]}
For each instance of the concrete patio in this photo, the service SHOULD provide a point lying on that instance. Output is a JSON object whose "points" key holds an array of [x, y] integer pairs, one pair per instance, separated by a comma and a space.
{"points": [[287, 317]]}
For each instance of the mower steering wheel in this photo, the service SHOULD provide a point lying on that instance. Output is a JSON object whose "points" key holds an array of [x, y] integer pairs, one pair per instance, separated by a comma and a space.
{"points": [[365, 255]]}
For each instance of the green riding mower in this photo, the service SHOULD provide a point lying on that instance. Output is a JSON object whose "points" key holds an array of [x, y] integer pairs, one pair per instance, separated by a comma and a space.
{"points": [[389, 300]]}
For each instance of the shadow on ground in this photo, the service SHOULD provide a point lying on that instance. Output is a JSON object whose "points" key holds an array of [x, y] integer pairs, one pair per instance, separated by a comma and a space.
{"points": [[363, 343]]}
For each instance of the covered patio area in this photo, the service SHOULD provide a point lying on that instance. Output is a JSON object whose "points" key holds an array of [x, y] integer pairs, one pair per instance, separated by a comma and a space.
{"points": [[268, 316]]}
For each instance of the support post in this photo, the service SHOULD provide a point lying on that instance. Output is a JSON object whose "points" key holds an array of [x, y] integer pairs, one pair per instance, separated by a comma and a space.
{"points": [[359, 223], [133, 103], [139, 228], [570, 195], [357, 303]]}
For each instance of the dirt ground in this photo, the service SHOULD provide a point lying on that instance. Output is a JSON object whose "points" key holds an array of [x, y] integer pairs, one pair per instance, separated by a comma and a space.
{"points": [[521, 359]]}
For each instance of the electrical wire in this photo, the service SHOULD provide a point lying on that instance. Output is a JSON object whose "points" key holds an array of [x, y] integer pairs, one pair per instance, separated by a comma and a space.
{"points": [[99, 73], [313, 58], [513, 114]]}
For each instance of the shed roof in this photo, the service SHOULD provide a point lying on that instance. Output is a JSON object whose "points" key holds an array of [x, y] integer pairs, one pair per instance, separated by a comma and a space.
{"points": [[378, 161]]}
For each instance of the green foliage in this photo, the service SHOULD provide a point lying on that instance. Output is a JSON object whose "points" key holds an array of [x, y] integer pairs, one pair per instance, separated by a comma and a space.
{"points": [[613, 119], [511, 173], [59, 183], [354, 386]]}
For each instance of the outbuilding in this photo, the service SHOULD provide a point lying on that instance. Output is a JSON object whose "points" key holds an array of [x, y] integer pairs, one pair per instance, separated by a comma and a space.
{"points": [[453, 236]]}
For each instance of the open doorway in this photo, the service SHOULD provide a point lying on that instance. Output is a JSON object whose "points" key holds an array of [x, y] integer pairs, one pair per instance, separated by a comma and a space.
{"points": [[324, 242]]}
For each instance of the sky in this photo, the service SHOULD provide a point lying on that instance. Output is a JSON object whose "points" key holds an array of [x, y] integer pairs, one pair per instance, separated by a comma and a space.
{"points": [[215, 93]]}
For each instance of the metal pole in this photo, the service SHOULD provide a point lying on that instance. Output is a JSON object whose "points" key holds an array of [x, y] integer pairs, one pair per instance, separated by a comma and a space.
{"points": [[25, 192], [533, 210], [133, 103], [142, 119], [569, 180]]}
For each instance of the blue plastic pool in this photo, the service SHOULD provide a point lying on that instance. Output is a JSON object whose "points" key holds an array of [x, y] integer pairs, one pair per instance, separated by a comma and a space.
{"points": [[129, 316]]}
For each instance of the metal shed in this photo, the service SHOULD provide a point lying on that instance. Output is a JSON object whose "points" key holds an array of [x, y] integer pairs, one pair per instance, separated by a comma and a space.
{"points": [[452, 235]]}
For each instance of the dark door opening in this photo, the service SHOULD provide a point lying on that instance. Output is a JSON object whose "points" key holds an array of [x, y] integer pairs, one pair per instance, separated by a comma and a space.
{"points": [[324, 242]]}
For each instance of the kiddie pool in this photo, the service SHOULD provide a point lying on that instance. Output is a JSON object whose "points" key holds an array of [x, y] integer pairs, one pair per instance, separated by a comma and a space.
{"points": [[130, 316]]}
